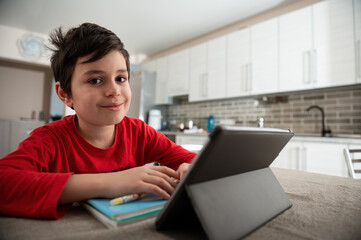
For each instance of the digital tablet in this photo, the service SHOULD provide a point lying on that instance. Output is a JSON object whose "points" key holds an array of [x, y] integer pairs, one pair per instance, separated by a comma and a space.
{"points": [[226, 176]]}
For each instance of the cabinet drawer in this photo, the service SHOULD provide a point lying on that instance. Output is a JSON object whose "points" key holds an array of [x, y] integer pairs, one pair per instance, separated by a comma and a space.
{"points": [[184, 139]]}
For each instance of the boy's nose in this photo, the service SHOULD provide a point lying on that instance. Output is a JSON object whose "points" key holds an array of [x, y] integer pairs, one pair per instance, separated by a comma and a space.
{"points": [[113, 89]]}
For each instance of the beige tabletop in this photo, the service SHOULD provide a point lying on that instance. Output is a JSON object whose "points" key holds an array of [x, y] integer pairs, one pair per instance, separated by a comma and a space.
{"points": [[324, 207]]}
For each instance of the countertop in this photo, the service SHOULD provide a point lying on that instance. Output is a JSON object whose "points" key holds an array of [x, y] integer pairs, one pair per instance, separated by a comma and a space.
{"points": [[311, 137]]}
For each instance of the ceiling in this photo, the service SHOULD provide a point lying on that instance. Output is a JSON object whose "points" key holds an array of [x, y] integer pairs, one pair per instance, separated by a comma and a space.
{"points": [[145, 26]]}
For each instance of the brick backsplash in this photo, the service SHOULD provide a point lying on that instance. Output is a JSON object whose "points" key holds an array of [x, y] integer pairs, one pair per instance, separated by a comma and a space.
{"points": [[342, 109]]}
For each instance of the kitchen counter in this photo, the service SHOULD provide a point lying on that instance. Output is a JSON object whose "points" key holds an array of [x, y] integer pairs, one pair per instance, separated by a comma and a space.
{"points": [[349, 139], [312, 137], [205, 134]]}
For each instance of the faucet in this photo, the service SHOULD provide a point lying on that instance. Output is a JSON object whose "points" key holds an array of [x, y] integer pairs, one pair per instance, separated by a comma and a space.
{"points": [[323, 131]]}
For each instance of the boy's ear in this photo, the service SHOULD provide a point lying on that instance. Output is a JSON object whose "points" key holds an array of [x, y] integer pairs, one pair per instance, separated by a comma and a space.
{"points": [[64, 97]]}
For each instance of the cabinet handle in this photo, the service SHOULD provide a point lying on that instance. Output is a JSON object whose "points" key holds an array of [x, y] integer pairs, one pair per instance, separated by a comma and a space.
{"points": [[202, 79], [200, 88], [246, 82], [314, 66], [306, 57], [358, 52], [249, 82], [205, 85], [298, 163], [244, 78], [304, 159]]}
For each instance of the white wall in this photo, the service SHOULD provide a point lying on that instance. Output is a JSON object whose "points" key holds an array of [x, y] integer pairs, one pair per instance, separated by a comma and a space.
{"points": [[21, 92]]}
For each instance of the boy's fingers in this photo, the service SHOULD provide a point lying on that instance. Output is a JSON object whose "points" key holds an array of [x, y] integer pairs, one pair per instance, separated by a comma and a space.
{"points": [[165, 176], [157, 190], [166, 170], [162, 181]]}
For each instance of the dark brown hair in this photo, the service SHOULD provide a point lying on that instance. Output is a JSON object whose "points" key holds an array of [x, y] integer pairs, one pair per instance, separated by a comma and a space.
{"points": [[87, 39]]}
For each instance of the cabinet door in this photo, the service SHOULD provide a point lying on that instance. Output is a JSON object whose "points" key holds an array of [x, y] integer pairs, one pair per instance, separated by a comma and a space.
{"points": [[191, 139], [357, 22], [161, 96], [290, 157], [295, 31], [178, 83], [20, 130], [198, 73], [216, 64], [264, 52], [325, 158], [193, 143], [334, 43], [238, 62]]}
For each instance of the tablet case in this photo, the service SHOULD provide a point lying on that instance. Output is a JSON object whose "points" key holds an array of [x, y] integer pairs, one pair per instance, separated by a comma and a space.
{"points": [[228, 208], [229, 190]]}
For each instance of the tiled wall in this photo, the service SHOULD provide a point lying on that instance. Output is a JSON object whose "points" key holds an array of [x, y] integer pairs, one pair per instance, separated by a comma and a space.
{"points": [[342, 111]]}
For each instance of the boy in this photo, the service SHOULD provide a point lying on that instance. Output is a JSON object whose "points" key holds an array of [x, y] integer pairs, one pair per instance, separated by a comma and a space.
{"points": [[61, 162]]}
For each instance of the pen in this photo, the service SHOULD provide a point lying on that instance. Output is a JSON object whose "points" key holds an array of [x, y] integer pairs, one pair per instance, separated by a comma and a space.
{"points": [[127, 198]]}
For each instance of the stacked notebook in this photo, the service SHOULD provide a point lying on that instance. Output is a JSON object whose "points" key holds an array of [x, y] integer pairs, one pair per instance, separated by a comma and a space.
{"points": [[113, 216]]}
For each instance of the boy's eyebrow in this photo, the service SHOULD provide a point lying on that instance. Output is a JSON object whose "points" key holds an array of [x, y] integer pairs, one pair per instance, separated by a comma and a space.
{"points": [[91, 72]]}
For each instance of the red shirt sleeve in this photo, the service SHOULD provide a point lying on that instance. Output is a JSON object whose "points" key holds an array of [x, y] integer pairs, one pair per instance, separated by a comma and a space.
{"points": [[27, 188]]}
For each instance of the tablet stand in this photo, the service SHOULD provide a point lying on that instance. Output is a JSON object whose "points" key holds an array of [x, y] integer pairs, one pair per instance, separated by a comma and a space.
{"points": [[233, 206]]}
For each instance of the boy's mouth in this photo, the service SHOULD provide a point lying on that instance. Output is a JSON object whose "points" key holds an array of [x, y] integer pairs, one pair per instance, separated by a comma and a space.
{"points": [[113, 106]]}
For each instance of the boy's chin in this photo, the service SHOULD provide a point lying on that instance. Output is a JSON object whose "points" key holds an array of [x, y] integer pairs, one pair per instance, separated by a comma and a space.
{"points": [[115, 120]]}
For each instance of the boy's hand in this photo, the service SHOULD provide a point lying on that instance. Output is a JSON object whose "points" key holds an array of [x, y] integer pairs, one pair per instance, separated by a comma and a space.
{"points": [[150, 179], [159, 180], [182, 169]]}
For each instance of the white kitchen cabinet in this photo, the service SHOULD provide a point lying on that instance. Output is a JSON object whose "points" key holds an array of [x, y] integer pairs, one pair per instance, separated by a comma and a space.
{"points": [[216, 66], [314, 47], [178, 83], [193, 143], [290, 157], [334, 45], [13, 132], [252, 60], [238, 63], [208, 70], [317, 47], [264, 57], [325, 158], [191, 139], [198, 73], [161, 95], [357, 22], [295, 31]]}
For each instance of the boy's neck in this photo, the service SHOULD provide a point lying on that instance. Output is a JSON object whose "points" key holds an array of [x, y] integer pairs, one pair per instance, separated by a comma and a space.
{"points": [[99, 136]]}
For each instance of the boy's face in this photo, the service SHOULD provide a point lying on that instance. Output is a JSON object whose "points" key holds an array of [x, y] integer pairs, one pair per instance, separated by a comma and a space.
{"points": [[100, 90]]}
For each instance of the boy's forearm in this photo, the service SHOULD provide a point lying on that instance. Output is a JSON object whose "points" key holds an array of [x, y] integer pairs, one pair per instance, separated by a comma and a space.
{"points": [[80, 187]]}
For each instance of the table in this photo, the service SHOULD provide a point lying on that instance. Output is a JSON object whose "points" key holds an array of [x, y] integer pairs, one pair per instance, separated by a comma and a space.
{"points": [[324, 207]]}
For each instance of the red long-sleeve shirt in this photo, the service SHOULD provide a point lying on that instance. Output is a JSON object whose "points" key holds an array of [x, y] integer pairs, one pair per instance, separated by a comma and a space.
{"points": [[33, 177]]}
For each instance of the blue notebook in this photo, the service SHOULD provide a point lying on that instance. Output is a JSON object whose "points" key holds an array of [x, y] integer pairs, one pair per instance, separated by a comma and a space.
{"points": [[113, 216]]}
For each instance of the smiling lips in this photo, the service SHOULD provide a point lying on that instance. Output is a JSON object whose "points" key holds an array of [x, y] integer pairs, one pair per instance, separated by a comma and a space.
{"points": [[113, 106]]}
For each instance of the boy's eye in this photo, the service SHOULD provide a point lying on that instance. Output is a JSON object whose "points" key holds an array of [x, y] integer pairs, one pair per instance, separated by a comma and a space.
{"points": [[121, 79], [94, 81]]}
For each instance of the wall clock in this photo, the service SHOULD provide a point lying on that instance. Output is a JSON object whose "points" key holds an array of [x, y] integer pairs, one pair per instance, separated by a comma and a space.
{"points": [[31, 47]]}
